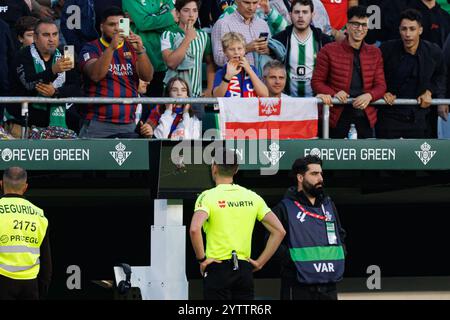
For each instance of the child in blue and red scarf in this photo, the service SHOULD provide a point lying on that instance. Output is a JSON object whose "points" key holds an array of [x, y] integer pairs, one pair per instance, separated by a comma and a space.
{"points": [[173, 121], [237, 78]]}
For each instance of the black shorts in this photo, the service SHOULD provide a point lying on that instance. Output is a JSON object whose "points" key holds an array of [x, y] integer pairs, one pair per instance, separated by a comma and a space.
{"points": [[221, 282]]}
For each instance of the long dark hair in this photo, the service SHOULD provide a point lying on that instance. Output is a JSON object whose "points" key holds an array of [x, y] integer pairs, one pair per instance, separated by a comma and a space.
{"points": [[169, 86]]}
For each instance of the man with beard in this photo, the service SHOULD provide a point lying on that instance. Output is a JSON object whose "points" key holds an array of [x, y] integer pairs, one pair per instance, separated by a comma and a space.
{"points": [[312, 253]]}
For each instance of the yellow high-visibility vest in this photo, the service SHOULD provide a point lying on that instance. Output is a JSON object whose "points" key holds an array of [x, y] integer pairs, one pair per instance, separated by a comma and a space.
{"points": [[22, 229]]}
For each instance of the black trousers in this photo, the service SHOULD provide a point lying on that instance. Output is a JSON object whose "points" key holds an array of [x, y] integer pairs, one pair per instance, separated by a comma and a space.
{"points": [[221, 282], [293, 290], [11, 289], [346, 119], [431, 119], [395, 126]]}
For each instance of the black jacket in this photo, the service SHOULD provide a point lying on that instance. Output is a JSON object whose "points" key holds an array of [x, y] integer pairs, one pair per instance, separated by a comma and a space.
{"points": [[432, 68], [6, 56], [23, 80], [390, 18], [14, 10], [210, 11], [87, 31], [435, 21], [285, 38], [288, 270], [446, 51]]}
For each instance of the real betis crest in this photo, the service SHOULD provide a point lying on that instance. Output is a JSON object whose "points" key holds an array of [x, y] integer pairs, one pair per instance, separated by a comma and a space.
{"points": [[120, 155], [274, 155], [426, 153]]}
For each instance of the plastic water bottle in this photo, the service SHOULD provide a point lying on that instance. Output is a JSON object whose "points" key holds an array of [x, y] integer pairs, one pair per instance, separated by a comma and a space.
{"points": [[352, 133]]}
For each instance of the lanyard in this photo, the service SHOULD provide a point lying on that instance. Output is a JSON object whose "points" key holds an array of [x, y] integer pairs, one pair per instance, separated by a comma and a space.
{"points": [[317, 216]]}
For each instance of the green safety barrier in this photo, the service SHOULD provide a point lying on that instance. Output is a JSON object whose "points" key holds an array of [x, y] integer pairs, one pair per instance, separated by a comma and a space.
{"points": [[75, 154], [114, 154], [368, 154], [349, 154]]}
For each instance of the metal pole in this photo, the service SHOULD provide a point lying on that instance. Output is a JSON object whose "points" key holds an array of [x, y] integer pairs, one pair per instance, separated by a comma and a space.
{"points": [[25, 114], [201, 101], [326, 122]]}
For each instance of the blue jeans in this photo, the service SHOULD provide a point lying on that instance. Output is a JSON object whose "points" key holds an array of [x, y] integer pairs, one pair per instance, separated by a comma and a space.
{"points": [[99, 129]]}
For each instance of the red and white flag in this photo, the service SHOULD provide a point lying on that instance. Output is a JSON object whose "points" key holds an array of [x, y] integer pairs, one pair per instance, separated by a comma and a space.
{"points": [[294, 118]]}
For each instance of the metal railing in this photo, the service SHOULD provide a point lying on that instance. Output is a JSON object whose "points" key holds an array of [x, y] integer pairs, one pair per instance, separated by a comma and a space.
{"points": [[25, 101]]}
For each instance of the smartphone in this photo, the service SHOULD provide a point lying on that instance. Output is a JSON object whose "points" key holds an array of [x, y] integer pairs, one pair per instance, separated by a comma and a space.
{"points": [[69, 52], [124, 24], [264, 36]]}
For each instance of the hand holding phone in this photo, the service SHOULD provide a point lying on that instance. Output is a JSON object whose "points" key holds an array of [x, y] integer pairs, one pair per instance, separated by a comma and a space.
{"points": [[124, 25], [69, 53], [263, 36]]}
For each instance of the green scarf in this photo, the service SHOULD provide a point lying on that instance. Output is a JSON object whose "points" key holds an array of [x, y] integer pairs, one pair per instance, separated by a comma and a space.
{"points": [[57, 112]]}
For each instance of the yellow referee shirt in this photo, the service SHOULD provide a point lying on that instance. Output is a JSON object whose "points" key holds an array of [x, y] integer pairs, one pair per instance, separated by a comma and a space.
{"points": [[232, 211]]}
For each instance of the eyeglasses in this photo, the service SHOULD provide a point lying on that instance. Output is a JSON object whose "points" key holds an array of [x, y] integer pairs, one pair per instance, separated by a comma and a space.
{"points": [[357, 25]]}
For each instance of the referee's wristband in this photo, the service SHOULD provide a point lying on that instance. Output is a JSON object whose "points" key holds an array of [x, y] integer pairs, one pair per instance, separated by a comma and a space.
{"points": [[225, 79], [202, 260]]}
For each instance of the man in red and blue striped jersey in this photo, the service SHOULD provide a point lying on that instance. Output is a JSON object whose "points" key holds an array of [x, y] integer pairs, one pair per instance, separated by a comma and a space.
{"points": [[112, 67]]}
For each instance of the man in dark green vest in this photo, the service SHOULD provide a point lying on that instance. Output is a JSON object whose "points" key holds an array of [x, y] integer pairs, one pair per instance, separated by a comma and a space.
{"points": [[312, 253]]}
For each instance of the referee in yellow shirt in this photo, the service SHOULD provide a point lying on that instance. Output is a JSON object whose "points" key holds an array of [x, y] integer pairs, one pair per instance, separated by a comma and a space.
{"points": [[227, 214]]}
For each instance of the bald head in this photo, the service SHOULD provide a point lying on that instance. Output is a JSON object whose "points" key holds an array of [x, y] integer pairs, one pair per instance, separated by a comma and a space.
{"points": [[14, 180]]}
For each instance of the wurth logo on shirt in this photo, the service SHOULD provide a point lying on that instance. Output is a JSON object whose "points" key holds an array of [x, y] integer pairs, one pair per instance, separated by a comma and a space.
{"points": [[234, 204], [238, 204]]}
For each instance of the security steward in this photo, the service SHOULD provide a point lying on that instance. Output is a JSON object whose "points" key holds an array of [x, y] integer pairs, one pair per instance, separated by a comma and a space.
{"points": [[25, 262], [312, 254], [228, 213]]}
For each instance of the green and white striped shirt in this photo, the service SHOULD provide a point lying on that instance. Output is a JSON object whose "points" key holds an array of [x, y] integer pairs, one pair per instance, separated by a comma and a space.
{"points": [[198, 48], [302, 60]]}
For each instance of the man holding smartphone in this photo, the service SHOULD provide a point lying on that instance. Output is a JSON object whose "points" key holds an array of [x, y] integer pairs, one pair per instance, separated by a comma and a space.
{"points": [[42, 70], [244, 21], [112, 67]]}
